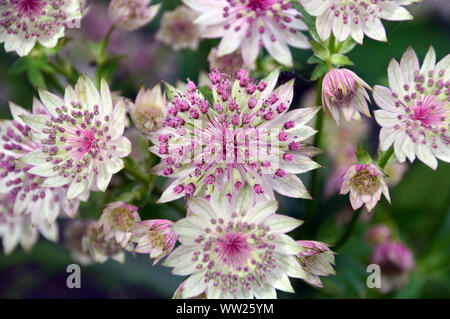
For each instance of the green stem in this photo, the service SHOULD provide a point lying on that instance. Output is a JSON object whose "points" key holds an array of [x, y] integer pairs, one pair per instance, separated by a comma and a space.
{"points": [[101, 56], [348, 230], [71, 75], [384, 157]]}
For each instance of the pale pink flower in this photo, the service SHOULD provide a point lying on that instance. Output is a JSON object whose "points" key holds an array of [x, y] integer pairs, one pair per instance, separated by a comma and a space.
{"points": [[316, 259], [344, 91], [117, 221], [81, 138], [251, 25], [365, 184], [177, 29], [18, 229], [415, 111], [379, 234], [23, 23], [154, 237], [235, 249], [245, 136], [31, 196], [396, 262], [130, 15], [354, 18]]}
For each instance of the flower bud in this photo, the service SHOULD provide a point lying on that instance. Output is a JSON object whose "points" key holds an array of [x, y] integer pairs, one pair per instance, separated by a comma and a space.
{"points": [[378, 234], [130, 15]]}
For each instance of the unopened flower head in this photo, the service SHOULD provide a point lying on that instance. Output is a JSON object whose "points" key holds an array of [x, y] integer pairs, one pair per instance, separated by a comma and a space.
{"points": [[25, 22], [118, 220], [178, 28], [95, 244], [229, 64], [149, 110], [130, 15], [354, 18], [235, 249], [316, 259], [415, 111], [242, 135], [154, 237], [365, 184], [81, 138], [73, 236], [344, 91], [31, 196], [251, 25], [18, 229], [379, 234]]}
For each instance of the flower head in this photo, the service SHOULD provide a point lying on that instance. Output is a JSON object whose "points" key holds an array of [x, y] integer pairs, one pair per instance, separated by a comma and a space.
{"points": [[355, 17], [316, 260], [415, 111], [252, 24], [154, 237], [81, 142], [149, 110], [242, 135], [73, 236], [178, 28], [118, 220], [235, 249], [229, 64], [31, 196], [25, 22], [130, 15], [365, 184], [15, 229], [344, 91], [379, 234]]}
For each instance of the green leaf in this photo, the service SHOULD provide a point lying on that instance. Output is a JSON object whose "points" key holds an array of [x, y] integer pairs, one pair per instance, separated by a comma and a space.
{"points": [[19, 66], [313, 60], [319, 71], [110, 67], [340, 60], [346, 46], [308, 20], [35, 77], [320, 50], [363, 156], [207, 94]]}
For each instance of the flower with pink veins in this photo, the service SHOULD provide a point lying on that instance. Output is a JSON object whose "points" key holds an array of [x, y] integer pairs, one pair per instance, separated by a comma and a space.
{"points": [[251, 25], [235, 249], [154, 237], [242, 135], [31, 196], [344, 91], [415, 110], [81, 142], [365, 184], [130, 15], [23, 23], [354, 18]]}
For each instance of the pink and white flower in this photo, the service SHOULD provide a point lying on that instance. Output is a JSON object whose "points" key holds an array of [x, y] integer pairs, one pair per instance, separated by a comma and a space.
{"points": [[251, 25], [344, 91], [154, 237], [242, 136], [81, 142], [354, 18], [23, 23], [365, 184], [31, 197], [415, 110], [130, 15], [118, 220], [235, 249]]}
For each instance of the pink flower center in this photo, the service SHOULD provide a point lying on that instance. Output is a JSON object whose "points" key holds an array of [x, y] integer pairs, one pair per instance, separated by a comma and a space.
{"points": [[234, 250], [30, 7], [84, 141], [429, 112], [260, 4]]}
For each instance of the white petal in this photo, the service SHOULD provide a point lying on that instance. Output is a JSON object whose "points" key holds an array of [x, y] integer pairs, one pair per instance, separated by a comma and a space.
{"points": [[291, 186]]}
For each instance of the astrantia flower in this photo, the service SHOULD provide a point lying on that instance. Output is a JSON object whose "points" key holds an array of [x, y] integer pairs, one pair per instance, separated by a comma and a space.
{"points": [[355, 18], [178, 29], [344, 91], [229, 64], [130, 15], [81, 138], [396, 262], [98, 247], [149, 110], [243, 136], [415, 111], [379, 234], [32, 197], [252, 24], [154, 237], [118, 220], [316, 260], [365, 184], [235, 250], [73, 235], [15, 229], [25, 22]]}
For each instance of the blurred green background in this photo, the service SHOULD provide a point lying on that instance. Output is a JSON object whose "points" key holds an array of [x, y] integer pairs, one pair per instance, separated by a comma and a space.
{"points": [[419, 215]]}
